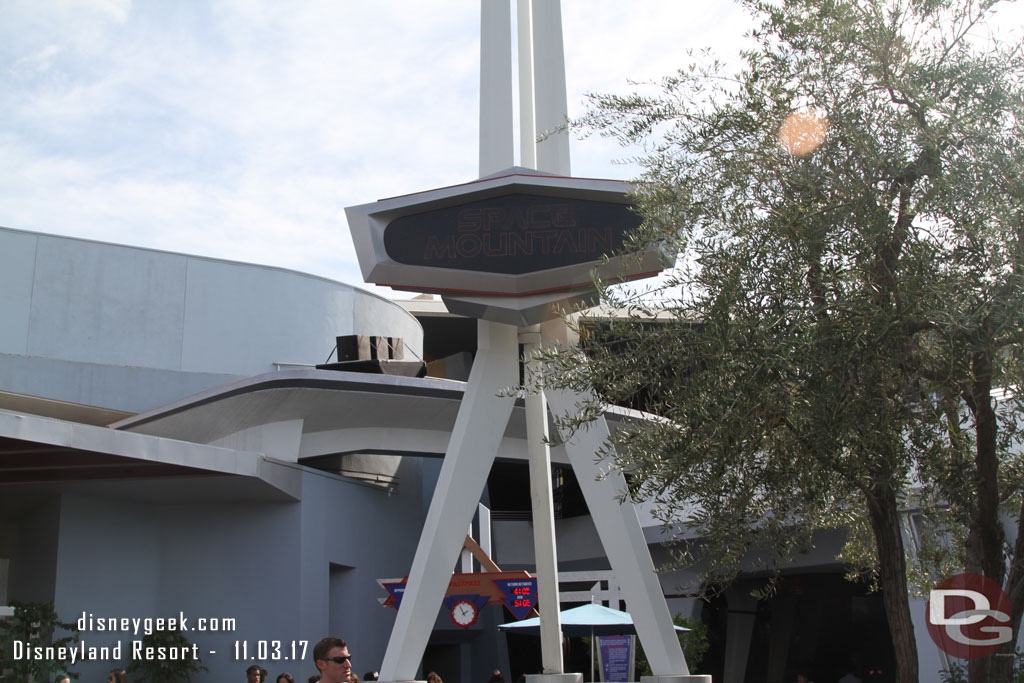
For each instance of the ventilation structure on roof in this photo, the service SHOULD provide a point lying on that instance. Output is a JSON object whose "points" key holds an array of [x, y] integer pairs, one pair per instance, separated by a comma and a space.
{"points": [[375, 355]]}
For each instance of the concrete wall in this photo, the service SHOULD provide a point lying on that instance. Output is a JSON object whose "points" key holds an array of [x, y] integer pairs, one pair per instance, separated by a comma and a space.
{"points": [[283, 571], [109, 565], [349, 541], [95, 309]]}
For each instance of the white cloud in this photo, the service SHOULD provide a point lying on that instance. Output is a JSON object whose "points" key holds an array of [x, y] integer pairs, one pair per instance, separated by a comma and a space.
{"points": [[39, 61], [115, 10]]}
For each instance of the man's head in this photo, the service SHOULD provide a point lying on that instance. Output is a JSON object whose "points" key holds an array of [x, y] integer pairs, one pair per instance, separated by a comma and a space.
{"points": [[252, 674], [333, 660]]}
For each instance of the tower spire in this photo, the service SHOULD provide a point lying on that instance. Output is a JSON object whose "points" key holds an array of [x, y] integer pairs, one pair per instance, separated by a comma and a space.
{"points": [[541, 83]]}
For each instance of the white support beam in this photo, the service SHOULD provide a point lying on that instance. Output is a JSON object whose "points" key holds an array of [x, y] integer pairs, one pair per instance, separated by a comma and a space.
{"points": [[466, 557], [497, 142], [527, 115], [623, 539], [543, 507], [471, 451], [550, 93], [484, 521]]}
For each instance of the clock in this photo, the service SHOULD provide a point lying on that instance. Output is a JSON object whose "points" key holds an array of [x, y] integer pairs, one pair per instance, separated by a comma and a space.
{"points": [[464, 613]]}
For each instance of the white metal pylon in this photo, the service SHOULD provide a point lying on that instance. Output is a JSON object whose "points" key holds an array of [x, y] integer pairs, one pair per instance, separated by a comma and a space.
{"points": [[486, 409], [474, 443]]}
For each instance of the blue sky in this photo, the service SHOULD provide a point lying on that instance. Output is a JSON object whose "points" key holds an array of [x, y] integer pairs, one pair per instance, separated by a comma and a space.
{"points": [[241, 129]]}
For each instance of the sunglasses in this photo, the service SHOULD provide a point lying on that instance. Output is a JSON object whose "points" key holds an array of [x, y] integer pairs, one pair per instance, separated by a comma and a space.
{"points": [[338, 660]]}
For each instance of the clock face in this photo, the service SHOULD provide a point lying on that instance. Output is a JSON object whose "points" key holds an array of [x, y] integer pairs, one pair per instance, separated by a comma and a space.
{"points": [[464, 613]]}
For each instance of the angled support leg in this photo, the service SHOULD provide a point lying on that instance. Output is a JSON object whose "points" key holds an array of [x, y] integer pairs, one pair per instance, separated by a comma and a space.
{"points": [[542, 504], [622, 536], [476, 436]]}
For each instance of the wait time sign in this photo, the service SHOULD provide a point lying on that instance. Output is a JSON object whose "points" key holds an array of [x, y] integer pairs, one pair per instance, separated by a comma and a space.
{"points": [[468, 593]]}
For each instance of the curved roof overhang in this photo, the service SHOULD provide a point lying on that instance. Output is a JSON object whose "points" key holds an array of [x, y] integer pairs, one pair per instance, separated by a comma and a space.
{"points": [[341, 412], [56, 454]]}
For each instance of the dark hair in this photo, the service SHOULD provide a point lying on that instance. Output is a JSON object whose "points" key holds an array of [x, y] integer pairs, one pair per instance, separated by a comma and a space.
{"points": [[315, 678], [119, 675], [496, 677], [371, 676], [325, 645], [61, 677], [285, 676], [254, 667]]}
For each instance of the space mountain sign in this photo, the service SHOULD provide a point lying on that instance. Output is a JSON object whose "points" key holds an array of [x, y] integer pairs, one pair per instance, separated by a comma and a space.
{"points": [[518, 233], [513, 234]]}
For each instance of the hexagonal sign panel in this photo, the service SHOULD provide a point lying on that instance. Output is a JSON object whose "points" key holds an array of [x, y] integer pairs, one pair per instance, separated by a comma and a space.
{"points": [[517, 233]]}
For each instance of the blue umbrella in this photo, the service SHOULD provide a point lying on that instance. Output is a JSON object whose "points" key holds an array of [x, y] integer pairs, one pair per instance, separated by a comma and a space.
{"points": [[584, 621]]}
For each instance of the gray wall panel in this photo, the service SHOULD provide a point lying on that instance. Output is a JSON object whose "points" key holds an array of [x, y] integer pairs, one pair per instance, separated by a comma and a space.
{"points": [[235, 561], [113, 387], [108, 567], [243, 319], [372, 533], [106, 306], [268, 565], [103, 303], [17, 251]]}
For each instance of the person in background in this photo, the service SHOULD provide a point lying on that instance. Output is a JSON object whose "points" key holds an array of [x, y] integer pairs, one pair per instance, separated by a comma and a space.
{"points": [[252, 674], [496, 677], [315, 678], [285, 678], [62, 678], [371, 676], [432, 677], [117, 676], [333, 660]]}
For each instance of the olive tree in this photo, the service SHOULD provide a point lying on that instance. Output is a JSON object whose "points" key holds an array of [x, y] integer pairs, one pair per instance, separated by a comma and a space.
{"points": [[840, 338]]}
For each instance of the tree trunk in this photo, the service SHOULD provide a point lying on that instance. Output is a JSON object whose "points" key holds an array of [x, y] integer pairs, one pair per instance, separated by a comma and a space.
{"points": [[892, 568], [985, 540], [999, 668], [1015, 592], [995, 668]]}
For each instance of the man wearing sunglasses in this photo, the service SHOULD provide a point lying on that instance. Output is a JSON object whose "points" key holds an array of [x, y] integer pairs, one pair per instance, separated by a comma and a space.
{"points": [[333, 661]]}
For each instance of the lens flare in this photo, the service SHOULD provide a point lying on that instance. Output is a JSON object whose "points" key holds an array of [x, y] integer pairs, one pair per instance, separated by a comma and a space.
{"points": [[802, 131]]}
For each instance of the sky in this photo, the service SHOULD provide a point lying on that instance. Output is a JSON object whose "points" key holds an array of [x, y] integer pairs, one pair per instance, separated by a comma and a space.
{"points": [[241, 129]]}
